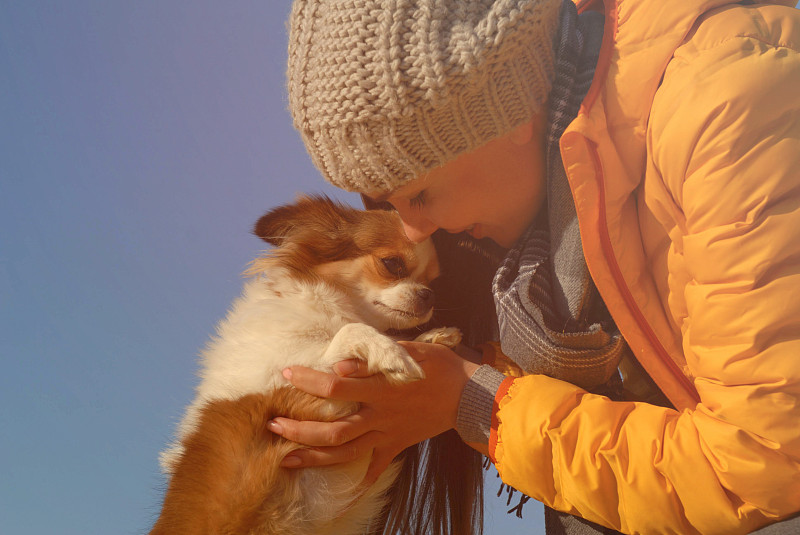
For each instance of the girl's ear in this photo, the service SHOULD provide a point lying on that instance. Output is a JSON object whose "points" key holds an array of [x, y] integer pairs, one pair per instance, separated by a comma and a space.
{"points": [[522, 134]]}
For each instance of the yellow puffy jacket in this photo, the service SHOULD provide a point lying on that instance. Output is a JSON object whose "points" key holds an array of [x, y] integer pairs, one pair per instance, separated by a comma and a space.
{"points": [[685, 166]]}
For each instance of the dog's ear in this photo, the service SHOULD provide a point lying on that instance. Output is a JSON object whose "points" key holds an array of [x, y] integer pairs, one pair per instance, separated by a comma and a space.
{"points": [[275, 225], [309, 212]]}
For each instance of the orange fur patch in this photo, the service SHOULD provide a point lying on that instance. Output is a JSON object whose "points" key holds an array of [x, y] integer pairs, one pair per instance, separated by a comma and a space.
{"points": [[228, 480]]}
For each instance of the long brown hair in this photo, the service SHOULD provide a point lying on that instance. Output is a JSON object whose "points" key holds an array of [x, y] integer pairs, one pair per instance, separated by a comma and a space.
{"points": [[440, 489]]}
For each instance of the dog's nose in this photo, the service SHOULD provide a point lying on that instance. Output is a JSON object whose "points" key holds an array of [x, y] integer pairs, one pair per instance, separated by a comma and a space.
{"points": [[425, 295]]}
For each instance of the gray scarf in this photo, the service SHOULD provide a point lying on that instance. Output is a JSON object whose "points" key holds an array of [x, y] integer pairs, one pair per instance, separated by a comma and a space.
{"points": [[551, 318]]}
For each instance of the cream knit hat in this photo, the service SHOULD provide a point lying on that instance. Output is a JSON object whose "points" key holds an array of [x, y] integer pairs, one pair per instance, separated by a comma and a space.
{"points": [[385, 90]]}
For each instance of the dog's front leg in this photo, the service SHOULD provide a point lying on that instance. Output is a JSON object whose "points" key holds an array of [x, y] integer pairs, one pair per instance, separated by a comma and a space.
{"points": [[381, 353]]}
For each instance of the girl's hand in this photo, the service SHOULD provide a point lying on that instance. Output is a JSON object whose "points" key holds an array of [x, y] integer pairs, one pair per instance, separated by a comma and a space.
{"points": [[391, 417]]}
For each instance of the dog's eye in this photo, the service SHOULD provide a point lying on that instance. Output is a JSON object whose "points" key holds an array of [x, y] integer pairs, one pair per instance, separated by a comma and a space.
{"points": [[395, 265]]}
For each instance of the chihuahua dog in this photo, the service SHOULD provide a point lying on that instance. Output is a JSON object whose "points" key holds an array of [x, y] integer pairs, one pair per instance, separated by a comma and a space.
{"points": [[337, 280]]}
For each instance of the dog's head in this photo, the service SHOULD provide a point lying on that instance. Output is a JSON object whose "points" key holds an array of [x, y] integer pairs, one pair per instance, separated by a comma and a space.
{"points": [[366, 254]]}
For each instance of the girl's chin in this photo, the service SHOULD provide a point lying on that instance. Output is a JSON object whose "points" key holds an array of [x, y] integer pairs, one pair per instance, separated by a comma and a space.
{"points": [[476, 231]]}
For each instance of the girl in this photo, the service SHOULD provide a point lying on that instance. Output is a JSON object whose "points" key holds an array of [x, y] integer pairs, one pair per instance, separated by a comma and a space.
{"points": [[638, 165]]}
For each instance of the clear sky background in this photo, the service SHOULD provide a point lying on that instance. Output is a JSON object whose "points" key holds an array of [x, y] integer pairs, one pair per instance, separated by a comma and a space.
{"points": [[139, 142]]}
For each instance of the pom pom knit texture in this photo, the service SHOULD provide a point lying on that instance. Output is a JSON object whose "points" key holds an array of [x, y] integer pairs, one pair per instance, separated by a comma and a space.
{"points": [[383, 91]]}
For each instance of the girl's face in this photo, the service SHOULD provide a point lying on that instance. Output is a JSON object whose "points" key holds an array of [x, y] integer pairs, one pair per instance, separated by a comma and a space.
{"points": [[492, 192]]}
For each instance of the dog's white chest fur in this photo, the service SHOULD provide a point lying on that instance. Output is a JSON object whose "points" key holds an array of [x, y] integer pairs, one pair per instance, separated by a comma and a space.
{"points": [[276, 323]]}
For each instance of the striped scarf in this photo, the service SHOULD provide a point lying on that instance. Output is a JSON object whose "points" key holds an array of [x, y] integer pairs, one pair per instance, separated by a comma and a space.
{"points": [[551, 318]]}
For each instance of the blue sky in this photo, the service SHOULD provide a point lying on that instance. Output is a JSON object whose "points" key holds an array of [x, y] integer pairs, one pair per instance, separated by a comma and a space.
{"points": [[139, 142]]}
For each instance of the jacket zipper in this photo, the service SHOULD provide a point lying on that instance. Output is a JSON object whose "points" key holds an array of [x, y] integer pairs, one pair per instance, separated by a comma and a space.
{"points": [[627, 296]]}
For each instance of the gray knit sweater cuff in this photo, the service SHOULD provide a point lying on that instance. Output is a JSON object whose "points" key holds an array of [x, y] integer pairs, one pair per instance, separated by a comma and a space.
{"points": [[474, 420]]}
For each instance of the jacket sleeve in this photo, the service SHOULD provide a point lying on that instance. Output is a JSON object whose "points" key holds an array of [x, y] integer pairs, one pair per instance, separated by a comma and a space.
{"points": [[724, 135]]}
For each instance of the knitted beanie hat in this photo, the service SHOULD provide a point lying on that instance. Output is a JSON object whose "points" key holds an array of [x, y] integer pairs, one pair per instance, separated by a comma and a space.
{"points": [[385, 90]]}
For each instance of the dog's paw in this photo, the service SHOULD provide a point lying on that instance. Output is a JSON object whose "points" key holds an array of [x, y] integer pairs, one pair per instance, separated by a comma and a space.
{"points": [[394, 362], [446, 336], [381, 353]]}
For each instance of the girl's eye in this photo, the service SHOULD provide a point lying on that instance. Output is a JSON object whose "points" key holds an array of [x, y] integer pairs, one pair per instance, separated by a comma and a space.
{"points": [[419, 200], [395, 265]]}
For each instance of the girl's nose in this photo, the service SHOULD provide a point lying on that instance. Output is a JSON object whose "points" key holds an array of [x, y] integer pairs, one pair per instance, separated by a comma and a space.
{"points": [[417, 227], [419, 234]]}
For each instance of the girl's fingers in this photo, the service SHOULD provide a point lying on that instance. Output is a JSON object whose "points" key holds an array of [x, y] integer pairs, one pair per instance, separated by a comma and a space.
{"points": [[331, 385], [319, 434], [355, 449]]}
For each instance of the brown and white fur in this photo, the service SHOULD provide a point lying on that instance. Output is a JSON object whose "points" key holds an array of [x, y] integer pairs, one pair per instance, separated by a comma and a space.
{"points": [[337, 280]]}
